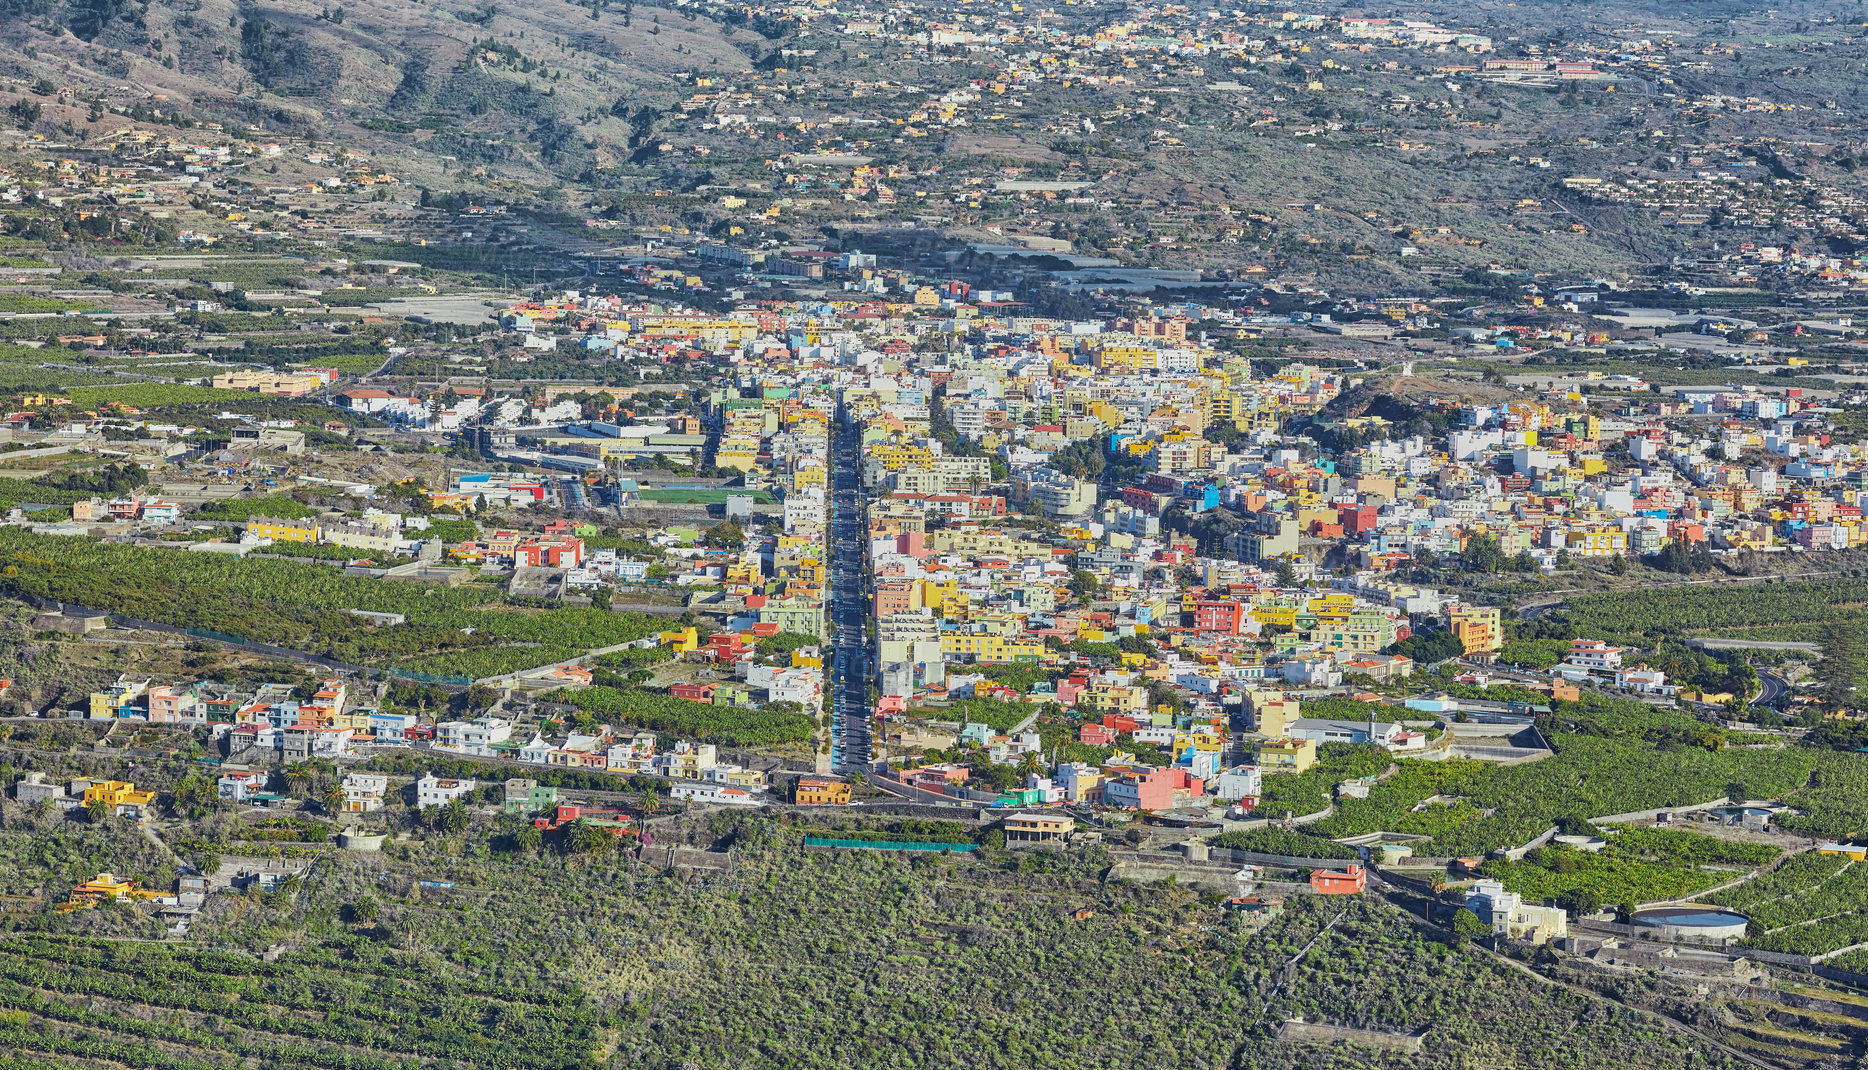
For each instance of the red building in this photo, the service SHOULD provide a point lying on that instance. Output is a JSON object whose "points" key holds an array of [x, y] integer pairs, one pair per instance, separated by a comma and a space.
{"points": [[726, 646], [1118, 724], [615, 822], [693, 692], [1214, 617], [1357, 519], [1151, 789], [1350, 880], [553, 551]]}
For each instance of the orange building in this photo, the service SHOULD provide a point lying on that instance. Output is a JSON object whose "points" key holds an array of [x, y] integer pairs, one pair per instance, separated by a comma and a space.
{"points": [[815, 791]]}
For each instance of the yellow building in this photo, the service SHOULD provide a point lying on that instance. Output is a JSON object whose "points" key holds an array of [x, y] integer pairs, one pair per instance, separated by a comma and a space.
{"points": [[1103, 697], [1272, 712], [990, 648], [267, 527], [684, 641], [120, 796], [895, 458], [1478, 628], [1114, 357], [103, 886], [1275, 614], [1287, 755], [1597, 543]]}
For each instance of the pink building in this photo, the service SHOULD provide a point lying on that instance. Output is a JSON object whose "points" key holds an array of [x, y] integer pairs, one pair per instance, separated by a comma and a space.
{"points": [[1152, 789]]}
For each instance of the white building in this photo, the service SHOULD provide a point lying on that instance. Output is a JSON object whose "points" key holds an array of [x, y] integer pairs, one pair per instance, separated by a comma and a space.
{"points": [[473, 737], [1240, 782], [1512, 918], [238, 787], [432, 791], [719, 794], [364, 792]]}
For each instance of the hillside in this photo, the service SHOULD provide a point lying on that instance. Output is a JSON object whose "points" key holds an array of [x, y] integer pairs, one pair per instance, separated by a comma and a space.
{"points": [[549, 89]]}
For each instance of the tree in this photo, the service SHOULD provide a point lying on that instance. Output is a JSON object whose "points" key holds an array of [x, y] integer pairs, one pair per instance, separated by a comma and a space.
{"points": [[528, 838], [1579, 901], [1481, 554], [1618, 565], [453, 817], [1467, 926], [1287, 576], [96, 811], [364, 911], [1084, 585], [1737, 792], [727, 535], [1082, 459], [333, 796]]}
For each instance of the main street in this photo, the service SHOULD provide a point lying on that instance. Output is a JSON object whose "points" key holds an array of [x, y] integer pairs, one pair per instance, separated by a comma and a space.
{"points": [[851, 719]]}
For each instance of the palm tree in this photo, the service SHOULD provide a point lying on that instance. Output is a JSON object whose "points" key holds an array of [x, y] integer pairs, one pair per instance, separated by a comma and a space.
{"points": [[1031, 764], [333, 796]]}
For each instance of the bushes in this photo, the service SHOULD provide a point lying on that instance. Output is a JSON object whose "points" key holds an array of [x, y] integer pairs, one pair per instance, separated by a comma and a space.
{"points": [[996, 714], [1776, 611], [1391, 804]]}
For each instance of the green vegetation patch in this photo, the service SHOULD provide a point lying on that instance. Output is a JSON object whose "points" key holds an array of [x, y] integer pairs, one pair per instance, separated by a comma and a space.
{"points": [[1286, 842], [661, 712], [470, 630], [1791, 612], [1636, 866], [1811, 905], [1309, 792]]}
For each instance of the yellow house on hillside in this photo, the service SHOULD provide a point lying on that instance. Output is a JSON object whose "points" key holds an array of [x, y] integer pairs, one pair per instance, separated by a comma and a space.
{"points": [[278, 530]]}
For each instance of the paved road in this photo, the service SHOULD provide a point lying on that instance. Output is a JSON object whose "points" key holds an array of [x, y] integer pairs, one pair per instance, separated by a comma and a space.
{"points": [[1771, 688], [851, 722]]}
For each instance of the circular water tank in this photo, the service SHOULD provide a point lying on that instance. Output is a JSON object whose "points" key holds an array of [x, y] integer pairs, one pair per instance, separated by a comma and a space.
{"points": [[1701, 924], [360, 841]]}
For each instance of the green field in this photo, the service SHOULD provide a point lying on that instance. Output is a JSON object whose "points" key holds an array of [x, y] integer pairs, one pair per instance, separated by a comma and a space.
{"points": [[1793, 611], [1811, 905], [1636, 866], [471, 630], [1611, 756]]}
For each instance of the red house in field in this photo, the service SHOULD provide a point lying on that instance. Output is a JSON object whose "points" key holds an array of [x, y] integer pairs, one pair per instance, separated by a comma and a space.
{"points": [[1095, 735], [1350, 880], [615, 822], [693, 692]]}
